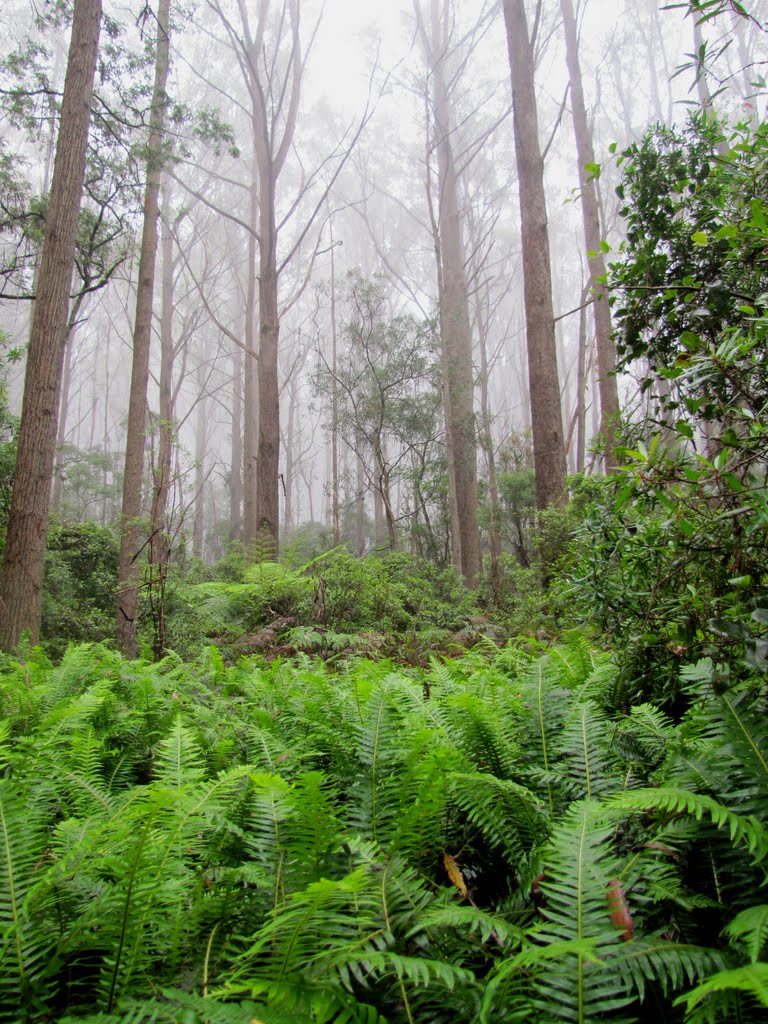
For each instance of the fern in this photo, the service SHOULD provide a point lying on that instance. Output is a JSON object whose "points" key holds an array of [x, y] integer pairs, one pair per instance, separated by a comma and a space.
{"points": [[579, 867], [26, 963], [509, 816], [741, 829], [752, 980], [750, 928], [585, 759]]}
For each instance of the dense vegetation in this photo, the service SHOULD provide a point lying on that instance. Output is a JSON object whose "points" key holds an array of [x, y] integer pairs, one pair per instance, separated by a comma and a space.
{"points": [[351, 791], [484, 840]]}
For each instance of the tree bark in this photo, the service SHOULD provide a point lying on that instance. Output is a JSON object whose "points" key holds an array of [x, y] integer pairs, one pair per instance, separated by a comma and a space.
{"points": [[455, 330], [160, 548], [236, 460], [546, 415], [23, 565], [131, 527], [251, 399], [606, 352]]}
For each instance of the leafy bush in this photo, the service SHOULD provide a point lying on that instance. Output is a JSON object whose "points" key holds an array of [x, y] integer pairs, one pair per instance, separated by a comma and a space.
{"points": [[393, 593], [79, 585]]}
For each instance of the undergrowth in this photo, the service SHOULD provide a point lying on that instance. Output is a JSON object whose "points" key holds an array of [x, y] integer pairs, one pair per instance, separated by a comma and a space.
{"points": [[484, 840]]}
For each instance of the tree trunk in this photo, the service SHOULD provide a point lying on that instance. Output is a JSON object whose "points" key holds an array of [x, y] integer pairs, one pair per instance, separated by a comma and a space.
{"points": [[201, 445], [335, 525], [251, 402], [606, 352], [131, 529], [546, 416], [455, 330], [267, 464], [236, 468], [61, 434], [159, 547], [581, 388], [23, 565], [494, 529]]}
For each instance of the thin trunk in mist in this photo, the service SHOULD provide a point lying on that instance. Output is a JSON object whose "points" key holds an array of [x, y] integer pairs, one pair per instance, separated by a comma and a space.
{"points": [[290, 448], [359, 509], [251, 396], [61, 434], [236, 458], [455, 330], [22, 577], [160, 543], [606, 352], [201, 447], [581, 387], [494, 527], [131, 528], [335, 525], [546, 415], [705, 97]]}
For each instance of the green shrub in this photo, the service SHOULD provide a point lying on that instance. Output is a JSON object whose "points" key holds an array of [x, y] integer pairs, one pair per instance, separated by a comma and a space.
{"points": [[79, 586]]}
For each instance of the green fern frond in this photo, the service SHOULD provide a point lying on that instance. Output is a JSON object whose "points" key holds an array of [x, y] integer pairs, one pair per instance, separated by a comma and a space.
{"points": [[579, 868], [466, 921], [327, 916], [741, 828], [649, 731], [672, 966], [584, 755], [750, 927], [477, 730], [509, 816], [26, 964], [751, 980], [178, 759], [379, 750], [546, 703]]}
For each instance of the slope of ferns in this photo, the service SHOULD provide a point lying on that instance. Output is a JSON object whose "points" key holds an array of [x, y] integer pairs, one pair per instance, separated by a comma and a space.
{"points": [[487, 841]]}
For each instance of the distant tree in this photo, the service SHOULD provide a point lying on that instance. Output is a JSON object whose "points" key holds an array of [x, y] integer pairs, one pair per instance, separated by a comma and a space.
{"points": [[546, 415], [384, 387], [22, 578], [131, 532], [436, 32], [588, 170]]}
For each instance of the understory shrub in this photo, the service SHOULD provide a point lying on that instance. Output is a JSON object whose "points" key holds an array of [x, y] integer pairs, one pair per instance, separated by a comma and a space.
{"points": [[79, 585]]}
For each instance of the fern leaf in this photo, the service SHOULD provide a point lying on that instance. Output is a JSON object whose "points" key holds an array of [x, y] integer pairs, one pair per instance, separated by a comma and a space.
{"points": [[509, 816], [671, 965], [751, 927], [741, 829], [25, 941], [751, 979], [579, 867], [179, 760]]}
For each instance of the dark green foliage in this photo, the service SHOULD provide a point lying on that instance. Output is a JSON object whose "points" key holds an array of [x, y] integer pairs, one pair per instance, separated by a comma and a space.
{"points": [[394, 603], [78, 589], [670, 558], [695, 224], [282, 843]]}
